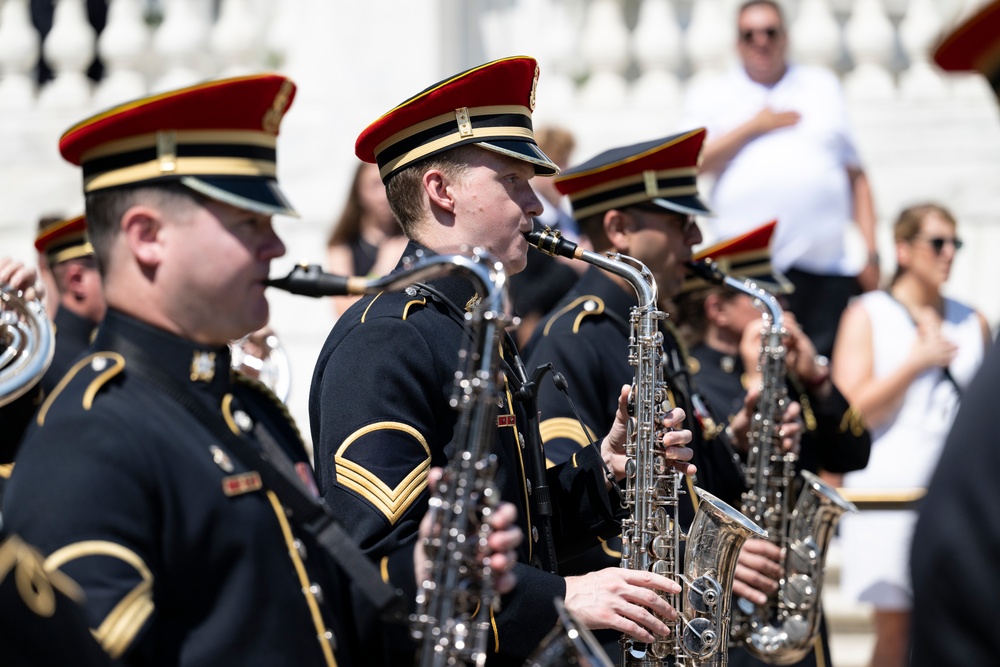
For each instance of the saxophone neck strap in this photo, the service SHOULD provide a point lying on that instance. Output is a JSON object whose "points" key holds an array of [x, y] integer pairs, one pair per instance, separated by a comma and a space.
{"points": [[277, 473]]}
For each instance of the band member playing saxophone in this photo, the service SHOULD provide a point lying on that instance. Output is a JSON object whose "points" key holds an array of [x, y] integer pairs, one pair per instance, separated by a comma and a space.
{"points": [[456, 160], [176, 493], [639, 201]]}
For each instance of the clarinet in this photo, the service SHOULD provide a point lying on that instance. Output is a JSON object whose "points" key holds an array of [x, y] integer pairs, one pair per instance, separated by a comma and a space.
{"points": [[461, 583], [651, 534], [782, 630]]}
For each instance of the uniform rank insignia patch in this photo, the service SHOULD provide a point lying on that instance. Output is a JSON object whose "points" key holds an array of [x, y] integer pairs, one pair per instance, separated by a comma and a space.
{"points": [[245, 482]]}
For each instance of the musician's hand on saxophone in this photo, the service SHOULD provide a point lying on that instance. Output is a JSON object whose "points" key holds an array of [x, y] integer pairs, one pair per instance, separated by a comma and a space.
{"points": [[504, 539], [613, 445], [623, 600], [758, 571], [789, 431]]}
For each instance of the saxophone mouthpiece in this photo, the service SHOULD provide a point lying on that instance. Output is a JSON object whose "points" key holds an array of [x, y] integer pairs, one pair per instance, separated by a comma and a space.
{"points": [[551, 242], [706, 269], [311, 280]]}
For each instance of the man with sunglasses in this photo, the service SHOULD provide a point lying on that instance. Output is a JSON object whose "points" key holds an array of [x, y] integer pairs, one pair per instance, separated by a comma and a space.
{"points": [[780, 148], [640, 201]]}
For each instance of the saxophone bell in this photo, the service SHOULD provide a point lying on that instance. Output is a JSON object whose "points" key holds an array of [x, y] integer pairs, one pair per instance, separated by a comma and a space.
{"points": [[651, 533], [780, 631]]}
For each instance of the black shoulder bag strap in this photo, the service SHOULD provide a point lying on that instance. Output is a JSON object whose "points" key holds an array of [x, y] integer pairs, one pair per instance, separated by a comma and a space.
{"points": [[278, 474]]}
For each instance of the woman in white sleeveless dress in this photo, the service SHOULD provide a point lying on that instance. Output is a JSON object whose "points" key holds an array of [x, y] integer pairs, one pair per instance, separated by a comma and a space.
{"points": [[902, 357]]}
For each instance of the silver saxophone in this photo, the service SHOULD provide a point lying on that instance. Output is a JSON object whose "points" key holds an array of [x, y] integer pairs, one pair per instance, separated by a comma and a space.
{"points": [[651, 533], [783, 630], [27, 341], [452, 618]]}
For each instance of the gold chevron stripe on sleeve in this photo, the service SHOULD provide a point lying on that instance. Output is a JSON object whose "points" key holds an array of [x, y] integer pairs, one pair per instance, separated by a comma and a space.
{"points": [[565, 427], [120, 627], [391, 502]]}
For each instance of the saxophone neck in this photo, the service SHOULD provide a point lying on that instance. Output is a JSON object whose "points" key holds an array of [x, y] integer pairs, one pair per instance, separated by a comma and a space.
{"points": [[551, 242], [486, 274]]}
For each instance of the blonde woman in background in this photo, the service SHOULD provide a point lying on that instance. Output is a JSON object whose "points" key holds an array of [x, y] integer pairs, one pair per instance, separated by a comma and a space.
{"points": [[367, 240], [903, 356]]}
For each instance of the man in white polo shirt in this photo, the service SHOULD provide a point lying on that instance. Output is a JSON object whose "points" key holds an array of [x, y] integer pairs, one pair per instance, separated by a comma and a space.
{"points": [[780, 148]]}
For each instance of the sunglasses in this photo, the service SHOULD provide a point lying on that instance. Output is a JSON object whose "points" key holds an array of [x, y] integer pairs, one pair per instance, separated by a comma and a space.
{"points": [[770, 33], [937, 243]]}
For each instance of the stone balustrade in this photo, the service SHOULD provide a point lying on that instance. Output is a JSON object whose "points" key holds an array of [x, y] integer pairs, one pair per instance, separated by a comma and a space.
{"points": [[613, 71]]}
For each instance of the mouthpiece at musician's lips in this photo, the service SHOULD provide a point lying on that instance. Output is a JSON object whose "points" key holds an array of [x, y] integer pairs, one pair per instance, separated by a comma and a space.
{"points": [[551, 242], [311, 280], [706, 269]]}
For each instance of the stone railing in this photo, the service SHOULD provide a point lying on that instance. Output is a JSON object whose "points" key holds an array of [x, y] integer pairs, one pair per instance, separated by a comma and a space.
{"points": [[613, 71]]}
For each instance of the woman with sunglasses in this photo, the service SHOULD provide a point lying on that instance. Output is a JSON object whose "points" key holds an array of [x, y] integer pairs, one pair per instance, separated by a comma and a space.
{"points": [[902, 357]]}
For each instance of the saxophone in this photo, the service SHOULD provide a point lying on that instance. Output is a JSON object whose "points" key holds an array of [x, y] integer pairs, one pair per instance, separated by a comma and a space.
{"points": [[460, 582], [651, 533], [27, 342], [783, 630]]}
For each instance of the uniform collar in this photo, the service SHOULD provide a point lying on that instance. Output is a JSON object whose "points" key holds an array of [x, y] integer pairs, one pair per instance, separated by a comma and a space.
{"points": [[455, 287], [69, 325], [203, 368]]}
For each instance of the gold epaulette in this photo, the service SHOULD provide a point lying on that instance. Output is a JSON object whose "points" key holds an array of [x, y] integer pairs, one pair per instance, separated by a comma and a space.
{"points": [[417, 301], [592, 305], [104, 365]]}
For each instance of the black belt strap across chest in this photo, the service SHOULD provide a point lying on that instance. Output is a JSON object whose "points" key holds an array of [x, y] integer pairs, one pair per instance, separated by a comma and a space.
{"points": [[277, 473]]}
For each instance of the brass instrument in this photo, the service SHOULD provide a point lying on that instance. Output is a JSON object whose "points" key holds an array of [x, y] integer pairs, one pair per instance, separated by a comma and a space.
{"points": [[651, 534], [261, 356], [461, 582], [782, 631], [569, 644], [27, 342]]}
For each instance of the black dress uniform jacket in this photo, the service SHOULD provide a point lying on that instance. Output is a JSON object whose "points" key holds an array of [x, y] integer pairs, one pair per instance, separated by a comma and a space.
{"points": [[380, 419], [586, 339], [956, 542], [184, 557], [834, 440], [41, 624], [72, 336]]}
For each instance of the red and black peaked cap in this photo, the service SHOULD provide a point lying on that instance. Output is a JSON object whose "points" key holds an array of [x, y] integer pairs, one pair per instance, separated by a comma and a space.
{"points": [[974, 45], [489, 105], [218, 138], [64, 240], [662, 172], [745, 256]]}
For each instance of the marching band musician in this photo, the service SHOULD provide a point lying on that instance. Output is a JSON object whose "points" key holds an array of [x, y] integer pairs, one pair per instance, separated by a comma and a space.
{"points": [[76, 288], [640, 201], [456, 160], [722, 329], [158, 479], [70, 257]]}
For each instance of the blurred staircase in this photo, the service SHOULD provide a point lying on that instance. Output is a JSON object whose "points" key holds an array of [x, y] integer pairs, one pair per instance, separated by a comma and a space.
{"points": [[852, 636]]}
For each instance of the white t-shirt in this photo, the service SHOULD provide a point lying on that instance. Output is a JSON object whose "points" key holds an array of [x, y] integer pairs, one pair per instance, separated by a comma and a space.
{"points": [[796, 175]]}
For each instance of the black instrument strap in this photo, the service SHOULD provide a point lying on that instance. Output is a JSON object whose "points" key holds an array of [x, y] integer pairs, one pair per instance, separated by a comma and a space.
{"points": [[278, 474]]}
